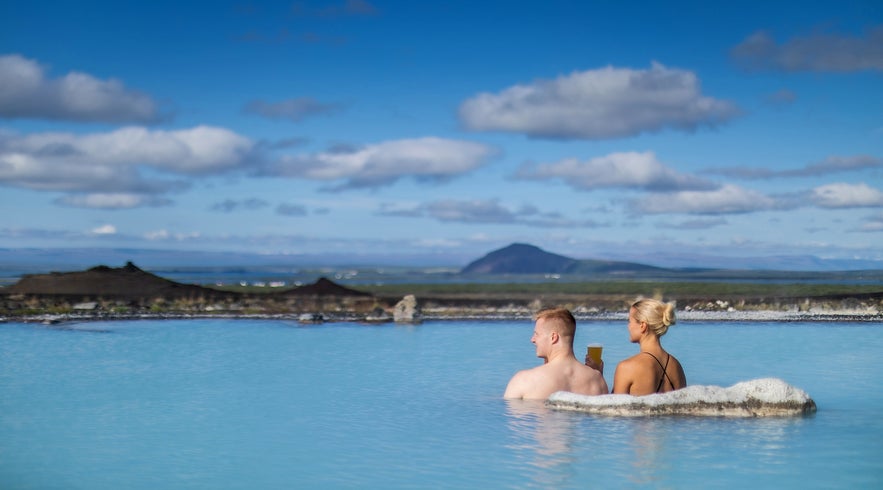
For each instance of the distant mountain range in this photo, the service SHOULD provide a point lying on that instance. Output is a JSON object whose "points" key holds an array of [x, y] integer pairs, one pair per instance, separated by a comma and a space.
{"points": [[524, 259], [517, 258], [521, 258]]}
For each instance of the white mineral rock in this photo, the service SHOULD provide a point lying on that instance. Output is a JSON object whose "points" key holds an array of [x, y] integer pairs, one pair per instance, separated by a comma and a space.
{"points": [[767, 397]]}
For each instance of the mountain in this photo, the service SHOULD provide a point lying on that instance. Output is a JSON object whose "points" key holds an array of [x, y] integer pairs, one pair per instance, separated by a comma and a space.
{"points": [[123, 282], [130, 282], [521, 258]]}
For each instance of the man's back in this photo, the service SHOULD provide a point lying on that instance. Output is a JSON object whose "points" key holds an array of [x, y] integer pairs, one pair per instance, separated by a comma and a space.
{"points": [[559, 375]]}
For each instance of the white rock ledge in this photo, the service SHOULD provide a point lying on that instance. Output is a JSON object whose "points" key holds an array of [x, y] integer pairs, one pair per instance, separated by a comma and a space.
{"points": [[767, 397]]}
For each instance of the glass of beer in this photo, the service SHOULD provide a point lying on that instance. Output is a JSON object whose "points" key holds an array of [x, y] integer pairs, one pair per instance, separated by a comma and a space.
{"points": [[594, 351]]}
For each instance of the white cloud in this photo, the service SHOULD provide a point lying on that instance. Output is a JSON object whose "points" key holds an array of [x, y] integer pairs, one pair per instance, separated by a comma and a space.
{"points": [[384, 163], [112, 163], [598, 104], [484, 211], [25, 92], [105, 230], [843, 195], [111, 201], [626, 169], [729, 199], [157, 235], [474, 211], [830, 165], [165, 235], [817, 52]]}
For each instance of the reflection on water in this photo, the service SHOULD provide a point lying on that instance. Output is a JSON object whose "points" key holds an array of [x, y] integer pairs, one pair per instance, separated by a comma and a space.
{"points": [[558, 449], [543, 439], [649, 444]]}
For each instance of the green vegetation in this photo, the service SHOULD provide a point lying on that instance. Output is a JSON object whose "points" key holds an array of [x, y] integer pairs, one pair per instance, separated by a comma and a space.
{"points": [[633, 288]]}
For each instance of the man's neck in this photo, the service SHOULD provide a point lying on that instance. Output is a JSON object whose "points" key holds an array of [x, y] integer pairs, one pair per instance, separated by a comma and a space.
{"points": [[561, 355]]}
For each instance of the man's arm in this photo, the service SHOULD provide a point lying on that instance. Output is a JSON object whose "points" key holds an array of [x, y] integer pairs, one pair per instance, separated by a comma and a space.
{"points": [[515, 388]]}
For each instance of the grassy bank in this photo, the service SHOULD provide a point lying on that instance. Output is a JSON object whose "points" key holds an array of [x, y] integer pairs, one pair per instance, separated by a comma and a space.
{"points": [[627, 288]]}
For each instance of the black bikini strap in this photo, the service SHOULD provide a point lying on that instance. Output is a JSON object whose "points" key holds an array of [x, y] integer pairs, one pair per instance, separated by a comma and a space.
{"points": [[664, 370]]}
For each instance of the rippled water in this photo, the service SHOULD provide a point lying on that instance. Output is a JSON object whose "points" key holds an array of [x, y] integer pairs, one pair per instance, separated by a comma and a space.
{"points": [[264, 404]]}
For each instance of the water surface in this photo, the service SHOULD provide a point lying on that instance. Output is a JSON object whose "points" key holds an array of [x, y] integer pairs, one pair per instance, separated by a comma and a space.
{"points": [[271, 404]]}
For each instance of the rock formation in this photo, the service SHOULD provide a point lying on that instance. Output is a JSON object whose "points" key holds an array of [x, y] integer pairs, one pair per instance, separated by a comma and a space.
{"points": [[768, 397], [407, 310]]}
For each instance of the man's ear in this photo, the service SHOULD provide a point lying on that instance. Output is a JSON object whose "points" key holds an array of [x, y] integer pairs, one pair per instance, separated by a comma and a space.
{"points": [[555, 337]]}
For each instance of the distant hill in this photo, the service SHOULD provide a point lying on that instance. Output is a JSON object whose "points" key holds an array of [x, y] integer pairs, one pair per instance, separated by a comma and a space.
{"points": [[324, 287], [123, 282], [521, 258], [130, 282]]}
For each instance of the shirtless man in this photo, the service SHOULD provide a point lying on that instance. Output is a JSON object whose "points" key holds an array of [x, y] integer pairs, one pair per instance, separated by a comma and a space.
{"points": [[553, 337]]}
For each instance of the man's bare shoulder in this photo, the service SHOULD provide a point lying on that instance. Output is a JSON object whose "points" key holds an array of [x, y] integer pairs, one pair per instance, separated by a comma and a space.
{"points": [[521, 383], [590, 381]]}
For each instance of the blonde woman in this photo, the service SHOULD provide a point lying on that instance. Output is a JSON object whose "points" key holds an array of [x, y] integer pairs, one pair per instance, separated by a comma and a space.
{"points": [[653, 370]]}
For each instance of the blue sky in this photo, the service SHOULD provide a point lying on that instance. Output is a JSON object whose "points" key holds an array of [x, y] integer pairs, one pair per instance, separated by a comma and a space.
{"points": [[654, 131]]}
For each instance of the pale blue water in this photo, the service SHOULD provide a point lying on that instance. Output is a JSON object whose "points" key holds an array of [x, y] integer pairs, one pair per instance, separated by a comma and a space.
{"points": [[266, 404]]}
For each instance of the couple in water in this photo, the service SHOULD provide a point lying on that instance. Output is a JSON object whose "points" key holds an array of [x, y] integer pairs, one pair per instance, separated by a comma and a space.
{"points": [[652, 370]]}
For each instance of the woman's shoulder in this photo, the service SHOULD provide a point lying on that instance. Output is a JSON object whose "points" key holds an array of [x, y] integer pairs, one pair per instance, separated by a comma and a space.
{"points": [[638, 360]]}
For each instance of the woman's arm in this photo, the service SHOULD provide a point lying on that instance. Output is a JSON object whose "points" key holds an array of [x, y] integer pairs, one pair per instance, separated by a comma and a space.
{"points": [[623, 378]]}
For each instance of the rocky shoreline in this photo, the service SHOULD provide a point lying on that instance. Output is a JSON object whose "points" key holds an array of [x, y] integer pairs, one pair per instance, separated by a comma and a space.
{"points": [[129, 293], [482, 315]]}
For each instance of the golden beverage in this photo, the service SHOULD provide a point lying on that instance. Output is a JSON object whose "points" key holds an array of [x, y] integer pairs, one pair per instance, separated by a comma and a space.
{"points": [[594, 351]]}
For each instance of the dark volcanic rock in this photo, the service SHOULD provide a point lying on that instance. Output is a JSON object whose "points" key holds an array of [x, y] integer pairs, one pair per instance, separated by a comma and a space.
{"points": [[102, 281], [324, 287]]}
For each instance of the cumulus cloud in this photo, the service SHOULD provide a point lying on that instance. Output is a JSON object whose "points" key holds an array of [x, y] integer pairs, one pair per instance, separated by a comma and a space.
{"points": [[424, 159], [728, 199], [292, 109], [26, 92], [818, 52], [842, 195], [481, 211], [110, 162], [637, 170], [598, 104], [830, 165], [231, 205]]}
